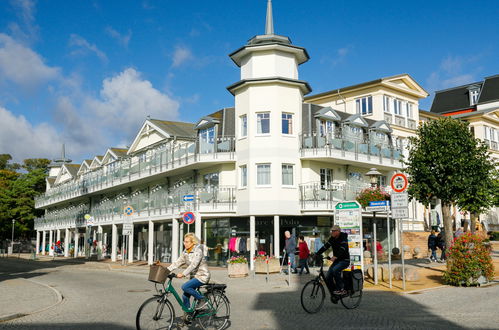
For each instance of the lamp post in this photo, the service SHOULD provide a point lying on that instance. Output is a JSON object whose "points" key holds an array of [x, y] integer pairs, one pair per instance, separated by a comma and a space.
{"points": [[12, 242], [373, 174]]}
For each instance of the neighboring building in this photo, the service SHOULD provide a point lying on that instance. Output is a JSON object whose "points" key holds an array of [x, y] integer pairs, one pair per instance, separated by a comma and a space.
{"points": [[275, 161], [478, 104]]}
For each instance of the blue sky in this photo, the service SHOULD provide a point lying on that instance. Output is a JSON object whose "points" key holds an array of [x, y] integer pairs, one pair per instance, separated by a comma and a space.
{"points": [[87, 73]]}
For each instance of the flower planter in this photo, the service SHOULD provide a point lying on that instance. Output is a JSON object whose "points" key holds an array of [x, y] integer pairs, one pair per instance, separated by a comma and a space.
{"points": [[238, 270], [261, 266]]}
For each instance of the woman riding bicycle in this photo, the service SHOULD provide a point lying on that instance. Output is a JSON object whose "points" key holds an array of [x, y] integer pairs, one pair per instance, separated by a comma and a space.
{"points": [[341, 260], [197, 268]]}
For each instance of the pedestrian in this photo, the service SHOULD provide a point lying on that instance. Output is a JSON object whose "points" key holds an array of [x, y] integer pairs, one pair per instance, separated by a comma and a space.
{"points": [[432, 245], [303, 253], [441, 246], [290, 249]]}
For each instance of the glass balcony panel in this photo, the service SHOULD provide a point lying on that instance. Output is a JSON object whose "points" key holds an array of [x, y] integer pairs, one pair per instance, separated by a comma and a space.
{"points": [[364, 148]]}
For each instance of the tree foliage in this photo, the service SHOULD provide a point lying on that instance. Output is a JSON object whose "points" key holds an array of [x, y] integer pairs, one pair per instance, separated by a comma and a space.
{"points": [[19, 184]]}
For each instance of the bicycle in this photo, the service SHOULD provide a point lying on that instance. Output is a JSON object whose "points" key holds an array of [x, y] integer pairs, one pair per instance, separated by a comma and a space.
{"points": [[157, 312], [313, 294]]}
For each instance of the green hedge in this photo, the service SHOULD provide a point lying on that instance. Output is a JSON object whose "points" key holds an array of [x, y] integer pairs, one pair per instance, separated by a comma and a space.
{"points": [[494, 236]]}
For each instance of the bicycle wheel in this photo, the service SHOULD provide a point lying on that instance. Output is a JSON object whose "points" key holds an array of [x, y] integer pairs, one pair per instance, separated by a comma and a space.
{"points": [[216, 316], [155, 314], [312, 296], [352, 300]]}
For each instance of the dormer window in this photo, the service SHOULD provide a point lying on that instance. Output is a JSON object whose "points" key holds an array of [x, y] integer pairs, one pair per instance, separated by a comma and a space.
{"points": [[364, 105], [474, 96]]}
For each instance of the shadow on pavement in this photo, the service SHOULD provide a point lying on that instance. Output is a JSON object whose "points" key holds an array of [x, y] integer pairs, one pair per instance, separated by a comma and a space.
{"points": [[378, 309], [12, 268], [67, 326]]}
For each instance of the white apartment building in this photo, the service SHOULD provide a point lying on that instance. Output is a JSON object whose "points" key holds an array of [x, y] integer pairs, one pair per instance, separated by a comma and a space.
{"points": [[275, 161]]}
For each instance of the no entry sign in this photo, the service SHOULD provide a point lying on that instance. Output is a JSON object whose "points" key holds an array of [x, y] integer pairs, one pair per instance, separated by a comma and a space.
{"points": [[399, 182]]}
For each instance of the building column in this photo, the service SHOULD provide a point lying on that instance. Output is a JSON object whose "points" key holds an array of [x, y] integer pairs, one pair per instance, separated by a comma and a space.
{"points": [[58, 235], [37, 248], [175, 239], [130, 246], [198, 226], [77, 242], [67, 240], [43, 242], [277, 243], [51, 242], [114, 242], [252, 242], [99, 241], [150, 244]]}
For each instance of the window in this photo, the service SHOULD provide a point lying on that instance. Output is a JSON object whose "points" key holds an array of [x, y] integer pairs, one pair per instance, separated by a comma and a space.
{"points": [[397, 106], [326, 177], [386, 103], [474, 96], [244, 175], [408, 108], [364, 105], [382, 181], [326, 128], [287, 174], [207, 135], [487, 133], [356, 130], [263, 123], [263, 174], [244, 125], [210, 180], [287, 123]]}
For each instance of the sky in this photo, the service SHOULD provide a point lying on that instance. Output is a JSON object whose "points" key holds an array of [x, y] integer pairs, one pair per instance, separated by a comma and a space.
{"points": [[87, 73]]}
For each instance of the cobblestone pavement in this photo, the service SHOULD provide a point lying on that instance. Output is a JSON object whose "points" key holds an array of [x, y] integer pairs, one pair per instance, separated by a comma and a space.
{"points": [[108, 299]]}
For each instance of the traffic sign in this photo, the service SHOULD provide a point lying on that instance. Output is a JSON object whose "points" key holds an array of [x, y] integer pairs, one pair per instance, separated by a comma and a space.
{"points": [[400, 213], [399, 200], [399, 182], [379, 203], [127, 229], [379, 208], [189, 218], [188, 198], [128, 210]]}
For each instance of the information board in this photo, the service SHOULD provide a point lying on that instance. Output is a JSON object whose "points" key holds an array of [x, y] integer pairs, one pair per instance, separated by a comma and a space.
{"points": [[348, 215]]}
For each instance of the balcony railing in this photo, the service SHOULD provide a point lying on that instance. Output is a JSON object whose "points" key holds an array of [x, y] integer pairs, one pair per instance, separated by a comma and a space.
{"points": [[332, 146], [149, 203], [399, 120], [163, 158]]}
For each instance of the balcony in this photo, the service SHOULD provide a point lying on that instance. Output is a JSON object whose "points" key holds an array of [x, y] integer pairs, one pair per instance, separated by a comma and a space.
{"points": [[156, 203], [163, 158], [349, 150]]}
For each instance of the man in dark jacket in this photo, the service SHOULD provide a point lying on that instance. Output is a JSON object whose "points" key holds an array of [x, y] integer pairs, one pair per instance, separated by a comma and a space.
{"points": [[341, 259], [290, 249]]}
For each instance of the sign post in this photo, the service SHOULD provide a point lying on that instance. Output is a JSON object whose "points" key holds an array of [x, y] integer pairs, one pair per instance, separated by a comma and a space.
{"points": [[400, 210], [348, 215], [128, 212], [189, 218]]}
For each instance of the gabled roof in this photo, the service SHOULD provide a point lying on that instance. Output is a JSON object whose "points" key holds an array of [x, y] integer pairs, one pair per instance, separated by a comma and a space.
{"points": [[113, 154], [490, 90], [85, 166], [452, 99], [71, 169], [356, 120], [328, 113], [206, 121], [382, 126], [96, 162]]}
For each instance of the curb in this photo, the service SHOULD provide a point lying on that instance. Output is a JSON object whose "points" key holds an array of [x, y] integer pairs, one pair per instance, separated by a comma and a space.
{"points": [[18, 315]]}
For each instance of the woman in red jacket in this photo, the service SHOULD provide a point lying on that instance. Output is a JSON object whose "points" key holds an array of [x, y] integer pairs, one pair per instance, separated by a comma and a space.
{"points": [[303, 254]]}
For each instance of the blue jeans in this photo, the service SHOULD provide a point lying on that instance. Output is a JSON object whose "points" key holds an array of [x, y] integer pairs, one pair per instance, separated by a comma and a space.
{"points": [[335, 272], [434, 254], [189, 289]]}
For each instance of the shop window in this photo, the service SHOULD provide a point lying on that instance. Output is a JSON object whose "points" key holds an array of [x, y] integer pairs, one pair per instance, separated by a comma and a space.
{"points": [[287, 123], [326, 177], [287, 174], [263, 123], [263, 174]]}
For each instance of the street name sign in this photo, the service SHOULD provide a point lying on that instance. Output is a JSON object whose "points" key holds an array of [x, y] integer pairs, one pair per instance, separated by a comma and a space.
{"points": [[379, 203], [380, 208]]}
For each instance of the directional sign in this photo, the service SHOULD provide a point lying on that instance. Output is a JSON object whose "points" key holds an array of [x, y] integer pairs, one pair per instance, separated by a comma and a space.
{"points": [[399, 182], [189, 218], [188, 198], [128, 210], [380, 208], [399, 200], [401, 213], [379, 203], [347, 205]]}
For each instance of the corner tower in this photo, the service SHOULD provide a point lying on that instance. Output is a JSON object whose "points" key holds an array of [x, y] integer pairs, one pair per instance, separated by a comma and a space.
{"points": [[268, 103]]}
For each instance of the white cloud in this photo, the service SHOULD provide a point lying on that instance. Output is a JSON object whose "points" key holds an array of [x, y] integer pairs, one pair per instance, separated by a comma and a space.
{"points": [[453, 71], [181, 55], [123, 39], [21, 65], [22, 140], [26, 29], [82, 47], [339, 57]]}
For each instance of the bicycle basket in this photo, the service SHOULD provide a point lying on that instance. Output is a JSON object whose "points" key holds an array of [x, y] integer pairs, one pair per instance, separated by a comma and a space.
{"points": [[158, 273]]}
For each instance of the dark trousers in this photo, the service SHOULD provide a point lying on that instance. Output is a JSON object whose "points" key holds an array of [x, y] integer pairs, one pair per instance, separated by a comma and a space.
{"points": [[335, 272], [303, 264]]}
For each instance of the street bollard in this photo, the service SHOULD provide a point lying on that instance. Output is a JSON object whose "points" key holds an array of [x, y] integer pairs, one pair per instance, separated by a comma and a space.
{"points": [[267, 262], [289, 273]]}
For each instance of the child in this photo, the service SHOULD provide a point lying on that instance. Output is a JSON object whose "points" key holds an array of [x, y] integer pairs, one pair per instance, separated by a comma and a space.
{"points": [[303, 254]]}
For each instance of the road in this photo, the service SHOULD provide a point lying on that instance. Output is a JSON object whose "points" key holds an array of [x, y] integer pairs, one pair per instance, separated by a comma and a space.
{"points": [[98, 298]]}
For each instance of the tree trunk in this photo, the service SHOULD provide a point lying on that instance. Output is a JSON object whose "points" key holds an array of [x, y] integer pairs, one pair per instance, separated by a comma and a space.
{"points": [[473, 222], [449, 235]]}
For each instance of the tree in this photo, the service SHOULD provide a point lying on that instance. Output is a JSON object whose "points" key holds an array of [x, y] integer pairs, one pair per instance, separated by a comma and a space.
{"points": [[443, 162]]}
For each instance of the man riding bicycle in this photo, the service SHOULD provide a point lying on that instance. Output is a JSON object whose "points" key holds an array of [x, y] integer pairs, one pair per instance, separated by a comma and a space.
{"points": [[341, 259]]}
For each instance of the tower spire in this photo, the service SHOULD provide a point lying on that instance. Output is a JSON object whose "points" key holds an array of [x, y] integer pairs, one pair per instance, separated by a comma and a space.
{"points": [[269, 24]]}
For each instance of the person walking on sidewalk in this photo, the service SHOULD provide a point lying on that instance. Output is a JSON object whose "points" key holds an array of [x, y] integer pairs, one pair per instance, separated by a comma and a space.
{"points": [[303, 254], [432, 245], [290, 249], [441, 246]]}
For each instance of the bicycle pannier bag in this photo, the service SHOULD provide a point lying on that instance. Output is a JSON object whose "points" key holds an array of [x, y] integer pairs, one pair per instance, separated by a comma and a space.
{"points": [[357, 280], [158, 273], [347, 279]]}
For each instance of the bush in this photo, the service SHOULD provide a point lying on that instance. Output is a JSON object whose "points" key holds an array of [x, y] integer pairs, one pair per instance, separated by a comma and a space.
{"points": [[467, 260], [494, 236], [372, 195], [237, 260]]}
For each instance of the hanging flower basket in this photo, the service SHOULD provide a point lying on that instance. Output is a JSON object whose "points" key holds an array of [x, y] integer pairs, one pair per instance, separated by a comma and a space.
{"points": [[372, 195]]}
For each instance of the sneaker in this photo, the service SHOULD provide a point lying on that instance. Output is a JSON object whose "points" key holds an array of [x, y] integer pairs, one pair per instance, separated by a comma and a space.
{"points": [[340, 292]]}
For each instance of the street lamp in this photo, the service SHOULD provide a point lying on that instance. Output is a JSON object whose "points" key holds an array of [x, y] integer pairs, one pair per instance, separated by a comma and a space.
{"points": [[373, 174], [12, 241]]}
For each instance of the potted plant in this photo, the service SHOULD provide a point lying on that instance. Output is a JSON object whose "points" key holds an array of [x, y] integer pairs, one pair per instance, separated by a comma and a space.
{"points": [[237, 266], [372, 195], [264, 263]]}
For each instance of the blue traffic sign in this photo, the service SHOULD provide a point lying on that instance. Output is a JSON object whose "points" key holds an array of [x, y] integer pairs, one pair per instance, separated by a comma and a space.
{"points": [[188, 198], [379, 203], [189, 218]]}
